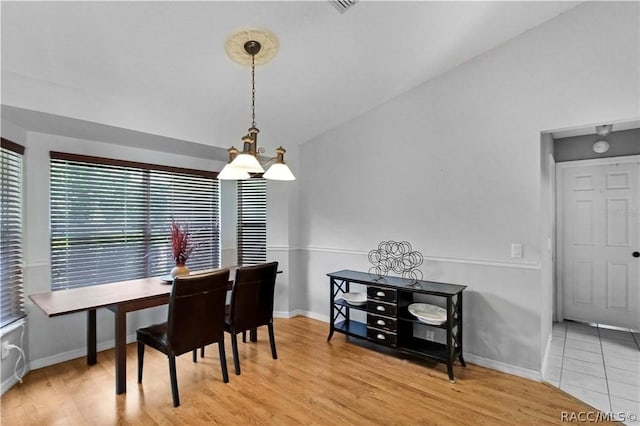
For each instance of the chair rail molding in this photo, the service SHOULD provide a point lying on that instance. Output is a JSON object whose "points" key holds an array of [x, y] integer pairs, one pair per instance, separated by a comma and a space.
{"points": [[501, 263]]}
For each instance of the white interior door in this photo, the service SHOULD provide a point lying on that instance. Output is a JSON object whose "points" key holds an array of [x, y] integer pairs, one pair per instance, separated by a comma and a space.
{"points": [[599, 237]]}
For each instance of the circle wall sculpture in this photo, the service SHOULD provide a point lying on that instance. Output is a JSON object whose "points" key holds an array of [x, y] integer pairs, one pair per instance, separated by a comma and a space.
{"points": [[397, 257]]}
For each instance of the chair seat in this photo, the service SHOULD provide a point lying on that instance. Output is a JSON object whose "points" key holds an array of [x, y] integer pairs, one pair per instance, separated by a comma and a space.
{"points": [[154, 336]]}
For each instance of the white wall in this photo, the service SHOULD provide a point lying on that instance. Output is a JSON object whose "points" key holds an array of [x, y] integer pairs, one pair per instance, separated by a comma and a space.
{"points": [[454, 167], [282, 231]]}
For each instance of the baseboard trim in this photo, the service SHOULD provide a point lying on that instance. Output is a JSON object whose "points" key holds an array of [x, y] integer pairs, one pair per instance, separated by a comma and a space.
{"points": [[546, 355], [74, 353], [9, 383], [503, 367], [309, 314]]}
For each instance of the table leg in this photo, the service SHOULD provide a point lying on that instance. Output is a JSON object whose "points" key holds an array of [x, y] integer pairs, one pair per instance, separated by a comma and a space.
{"points": [[91, 337], [450, 348], [121, 350], [331, 309]]}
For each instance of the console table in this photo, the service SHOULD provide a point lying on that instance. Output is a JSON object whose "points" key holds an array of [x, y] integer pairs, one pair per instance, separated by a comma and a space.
{"points": [[388, 321]]}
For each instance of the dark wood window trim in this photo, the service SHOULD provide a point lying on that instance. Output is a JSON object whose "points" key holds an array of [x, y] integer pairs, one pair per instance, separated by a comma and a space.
{"points": [[125, 163], [12, 146]]}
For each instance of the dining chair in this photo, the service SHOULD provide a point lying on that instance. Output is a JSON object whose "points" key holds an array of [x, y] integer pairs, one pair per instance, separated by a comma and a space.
{"points": [[196, 318], [251, 305]]}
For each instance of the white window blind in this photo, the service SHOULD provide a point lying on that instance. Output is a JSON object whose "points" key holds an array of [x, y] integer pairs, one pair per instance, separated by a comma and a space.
{"points": [[11, 258], [252, 221], [110, 219]]}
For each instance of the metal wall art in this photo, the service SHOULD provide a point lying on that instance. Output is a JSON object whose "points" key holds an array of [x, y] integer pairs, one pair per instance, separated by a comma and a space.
{"points": [[398, 257]]}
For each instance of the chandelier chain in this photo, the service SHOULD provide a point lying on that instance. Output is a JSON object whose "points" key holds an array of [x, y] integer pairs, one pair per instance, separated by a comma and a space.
{"points": [[253, 90]]}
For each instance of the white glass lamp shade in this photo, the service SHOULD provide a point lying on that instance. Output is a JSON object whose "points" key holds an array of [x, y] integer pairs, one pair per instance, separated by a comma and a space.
{"points": [[248, 163], [279, 171], [231, 173]]}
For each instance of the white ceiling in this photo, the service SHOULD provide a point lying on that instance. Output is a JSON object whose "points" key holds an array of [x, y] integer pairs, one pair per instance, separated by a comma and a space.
{"points": [[159, 57]]}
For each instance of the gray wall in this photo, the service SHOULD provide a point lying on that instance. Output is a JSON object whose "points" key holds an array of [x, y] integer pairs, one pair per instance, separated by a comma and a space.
{"points": [[624, 142]]}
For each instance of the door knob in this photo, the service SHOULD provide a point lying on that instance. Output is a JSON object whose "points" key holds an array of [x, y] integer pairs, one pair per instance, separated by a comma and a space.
{"points": [[635, 254]]}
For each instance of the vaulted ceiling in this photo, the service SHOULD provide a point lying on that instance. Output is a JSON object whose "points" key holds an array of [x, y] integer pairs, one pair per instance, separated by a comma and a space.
{"points": [[160, 67]]}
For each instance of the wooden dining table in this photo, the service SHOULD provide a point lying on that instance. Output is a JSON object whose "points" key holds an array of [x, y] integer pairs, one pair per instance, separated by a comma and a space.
{"points": [[120, 298]]}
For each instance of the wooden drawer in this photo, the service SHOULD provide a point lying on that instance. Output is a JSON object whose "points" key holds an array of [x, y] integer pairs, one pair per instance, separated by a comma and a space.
{"points": [[382, 337], [381, 308], [382, 294], [383, 323]]}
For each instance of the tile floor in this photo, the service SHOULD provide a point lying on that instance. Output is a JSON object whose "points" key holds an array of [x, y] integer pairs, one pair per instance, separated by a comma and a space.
{"points": [[597, 365]]}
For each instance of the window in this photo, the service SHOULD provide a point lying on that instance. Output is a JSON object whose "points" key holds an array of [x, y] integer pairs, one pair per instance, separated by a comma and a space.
{"points": [[110, 219], [11, 259], [252, 221]]}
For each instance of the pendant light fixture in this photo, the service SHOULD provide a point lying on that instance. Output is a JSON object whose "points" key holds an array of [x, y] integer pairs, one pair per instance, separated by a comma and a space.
{"points": [[253, 47]]}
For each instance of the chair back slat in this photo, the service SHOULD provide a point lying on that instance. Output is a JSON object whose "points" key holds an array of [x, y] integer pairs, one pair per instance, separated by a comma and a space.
{"points": [[196, 311], [252, 296]]}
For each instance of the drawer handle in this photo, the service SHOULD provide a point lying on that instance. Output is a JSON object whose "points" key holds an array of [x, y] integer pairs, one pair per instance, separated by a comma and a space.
{"points": [[380, 308], [381, 322], [380, 336], [380, 294]]}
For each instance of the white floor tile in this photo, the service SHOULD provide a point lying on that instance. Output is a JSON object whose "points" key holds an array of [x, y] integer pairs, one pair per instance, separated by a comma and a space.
{"points": [[583, 367], [552, 374], [621, 363], [557, 343], [597, 400], [554, 361], [621, 352], [582, 345], [585, 381], [583, 355], [625, 407], [556, 351], [578, 328], [615, 334], [623, 344], [590, 338], [624, 390], [559, 329], [623, 376]]}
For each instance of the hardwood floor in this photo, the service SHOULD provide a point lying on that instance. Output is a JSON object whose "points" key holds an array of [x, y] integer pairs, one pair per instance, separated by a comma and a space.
{"points": [[312, 382]]}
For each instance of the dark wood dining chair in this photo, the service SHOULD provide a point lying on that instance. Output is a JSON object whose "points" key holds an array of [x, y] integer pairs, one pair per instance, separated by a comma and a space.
{"points": [[196, 318], [251, 304]]}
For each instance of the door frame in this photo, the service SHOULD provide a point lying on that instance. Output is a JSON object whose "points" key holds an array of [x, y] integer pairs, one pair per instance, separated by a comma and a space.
{"points": [[560, 167]]}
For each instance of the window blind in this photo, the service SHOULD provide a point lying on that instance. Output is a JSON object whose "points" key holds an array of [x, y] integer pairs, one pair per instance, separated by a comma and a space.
{"points": [[110, 220], [11, 257], [252, 221]]}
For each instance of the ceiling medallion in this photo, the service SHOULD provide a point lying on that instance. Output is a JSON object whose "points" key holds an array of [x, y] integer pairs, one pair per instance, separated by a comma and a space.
{"points": [[234, 45]]}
